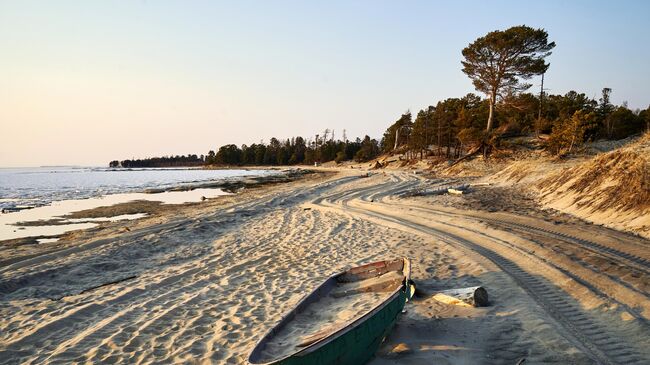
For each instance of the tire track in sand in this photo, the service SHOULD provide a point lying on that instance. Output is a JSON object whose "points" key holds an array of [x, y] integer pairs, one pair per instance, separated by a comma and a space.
{"points": [[579, 327]]}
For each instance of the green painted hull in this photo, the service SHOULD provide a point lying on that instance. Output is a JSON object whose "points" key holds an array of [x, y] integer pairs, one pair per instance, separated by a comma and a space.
{"points": [[358, 345], [357, 342]]}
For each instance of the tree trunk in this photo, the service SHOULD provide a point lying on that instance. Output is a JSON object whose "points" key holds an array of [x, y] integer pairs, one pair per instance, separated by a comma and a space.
{"points": [[493, 97], [396, 138], [439, 138], [475, 296], [573, 135], [468, 155], [541, 103]]}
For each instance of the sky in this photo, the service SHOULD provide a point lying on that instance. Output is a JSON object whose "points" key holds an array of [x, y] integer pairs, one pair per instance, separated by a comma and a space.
{"points": [[85, 82]]}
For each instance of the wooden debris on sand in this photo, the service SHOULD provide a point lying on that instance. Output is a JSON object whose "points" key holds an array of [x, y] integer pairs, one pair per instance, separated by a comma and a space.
{"points": [[461, 189], [475, 296]]}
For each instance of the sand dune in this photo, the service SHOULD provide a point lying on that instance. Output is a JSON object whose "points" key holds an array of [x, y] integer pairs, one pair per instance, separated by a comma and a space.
{"points": [[202, 285]]}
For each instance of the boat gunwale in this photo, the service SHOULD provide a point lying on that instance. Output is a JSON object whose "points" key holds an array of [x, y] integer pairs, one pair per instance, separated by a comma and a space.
{"points": [[346, 327]]}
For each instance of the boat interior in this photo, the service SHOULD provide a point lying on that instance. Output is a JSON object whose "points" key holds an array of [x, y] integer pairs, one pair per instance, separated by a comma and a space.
{"points": [[337, 303]]}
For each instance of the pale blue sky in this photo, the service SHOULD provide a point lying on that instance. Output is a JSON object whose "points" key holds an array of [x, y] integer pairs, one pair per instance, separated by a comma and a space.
{"points": [[84, 82]]}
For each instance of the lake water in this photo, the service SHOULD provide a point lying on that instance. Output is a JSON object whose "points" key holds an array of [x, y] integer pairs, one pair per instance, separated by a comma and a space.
{"points": [[55, 192], [31, 187]]}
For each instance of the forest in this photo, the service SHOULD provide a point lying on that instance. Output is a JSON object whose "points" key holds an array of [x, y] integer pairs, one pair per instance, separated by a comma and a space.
{"points": [[499, 64], [292, 151], [454, 126], [167, 161], [451, 128]]}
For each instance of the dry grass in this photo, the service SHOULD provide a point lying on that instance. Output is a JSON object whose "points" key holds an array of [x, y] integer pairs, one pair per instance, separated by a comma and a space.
{"points": [[616, 180], [516, 172]]}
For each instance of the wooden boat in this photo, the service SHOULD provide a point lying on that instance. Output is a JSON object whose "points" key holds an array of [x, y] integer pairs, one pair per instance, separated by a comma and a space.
{"points": [[343, 321]]}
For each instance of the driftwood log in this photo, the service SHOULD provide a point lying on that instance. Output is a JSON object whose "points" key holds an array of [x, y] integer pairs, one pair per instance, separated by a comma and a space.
{"points": [[460, 189], [475, 296], [473, 152]]}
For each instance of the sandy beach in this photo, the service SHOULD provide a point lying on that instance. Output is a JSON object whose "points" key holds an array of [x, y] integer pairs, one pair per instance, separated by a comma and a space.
{"points": [[201, 283], [324, 183]]}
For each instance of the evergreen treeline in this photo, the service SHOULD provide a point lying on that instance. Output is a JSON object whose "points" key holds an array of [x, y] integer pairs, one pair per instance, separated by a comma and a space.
{"points": [[292, 151], [296, 150], [499, 65], [167, 161], [450, 128], [455, 125]]}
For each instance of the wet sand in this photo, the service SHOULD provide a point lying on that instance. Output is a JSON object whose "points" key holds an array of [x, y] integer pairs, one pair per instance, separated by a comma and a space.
{"points": [[202, 283], [47, 223]]}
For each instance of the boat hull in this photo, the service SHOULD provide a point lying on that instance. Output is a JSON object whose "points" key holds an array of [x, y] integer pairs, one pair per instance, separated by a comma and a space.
{"points": [[357, 342], [358, 345]]}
